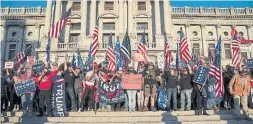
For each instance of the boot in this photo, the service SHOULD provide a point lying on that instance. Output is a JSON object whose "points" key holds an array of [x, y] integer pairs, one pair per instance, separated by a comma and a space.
{"points": [[40, 112]]}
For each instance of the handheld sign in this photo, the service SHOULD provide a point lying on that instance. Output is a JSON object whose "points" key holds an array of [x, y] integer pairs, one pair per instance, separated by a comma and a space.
{"points": [[138, 57], [8, 65], [250, 63], [201, 75], [131, 81], [38, 68], [24, 87]]}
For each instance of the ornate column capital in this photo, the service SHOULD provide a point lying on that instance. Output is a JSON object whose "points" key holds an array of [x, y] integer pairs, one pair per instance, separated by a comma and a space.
{"points": [[233, 26], [202, 26], [249, 26], [218, 26], [37, 25], [187, 25]]}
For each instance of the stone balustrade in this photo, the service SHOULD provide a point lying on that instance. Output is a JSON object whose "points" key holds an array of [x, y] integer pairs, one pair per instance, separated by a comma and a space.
{"points": [[102, 46], [214, 11], [22, 11], [175, 10]]}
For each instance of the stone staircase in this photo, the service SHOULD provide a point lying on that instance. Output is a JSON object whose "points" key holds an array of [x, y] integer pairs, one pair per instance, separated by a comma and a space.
{"points": [[160, 117]]}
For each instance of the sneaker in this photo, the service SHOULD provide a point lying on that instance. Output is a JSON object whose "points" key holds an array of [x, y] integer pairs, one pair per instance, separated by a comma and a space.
{"points": [[79, 110], [181, 109], [248, 119]]}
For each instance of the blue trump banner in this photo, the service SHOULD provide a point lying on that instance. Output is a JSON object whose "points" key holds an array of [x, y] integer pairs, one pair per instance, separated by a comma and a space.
{"points": [[201, 75], [24, 87], [38, 68], [110, 93], [250, 63], [58, 96]]}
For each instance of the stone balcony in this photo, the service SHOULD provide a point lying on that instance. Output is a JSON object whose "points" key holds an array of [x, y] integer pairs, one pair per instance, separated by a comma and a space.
{"points": [[23, 11], [175, 10], [103, 46], [212, 11]]}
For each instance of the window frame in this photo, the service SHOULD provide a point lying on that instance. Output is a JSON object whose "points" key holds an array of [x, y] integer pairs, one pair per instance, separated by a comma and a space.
{"points": [[196, 50], [13, 50], [76, 6], [71, 36], [107, 6], [141, 6], [105, 42], [228, 55]]}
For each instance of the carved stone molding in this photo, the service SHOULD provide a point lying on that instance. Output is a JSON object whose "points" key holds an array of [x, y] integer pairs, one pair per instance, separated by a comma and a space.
{"points": [[37, 25], [187, 25], [218, 26], [202, 26], [249, 26]]}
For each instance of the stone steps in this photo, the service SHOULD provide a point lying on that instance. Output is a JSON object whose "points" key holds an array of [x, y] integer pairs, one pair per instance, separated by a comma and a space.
{"points": [[160, 117]]}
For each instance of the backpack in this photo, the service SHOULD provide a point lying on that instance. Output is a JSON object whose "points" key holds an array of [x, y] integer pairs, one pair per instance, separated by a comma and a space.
{"points": [[162, 99]]}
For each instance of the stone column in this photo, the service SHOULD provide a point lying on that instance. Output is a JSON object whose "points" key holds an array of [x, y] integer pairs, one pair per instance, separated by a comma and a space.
{"points": [[21, 35], [54, 41], [157, 18], [48, 22], [167, 17], [250, 37], [4, 43], [130, 17], [36, 45], [121, 16], [92, 16], [67, 27], [204, 44], [125, 16], [84, 18], [188, 35]]}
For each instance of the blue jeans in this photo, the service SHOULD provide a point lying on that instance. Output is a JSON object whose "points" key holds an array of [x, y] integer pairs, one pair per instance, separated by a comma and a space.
{"points": [[70, 92], [78, 98], [132, 99], [172, 92], [187, 94], [27, 101]]}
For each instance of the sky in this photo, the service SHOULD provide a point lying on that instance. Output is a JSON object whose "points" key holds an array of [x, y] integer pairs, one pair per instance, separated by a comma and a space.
{"points": [[176, 3]]}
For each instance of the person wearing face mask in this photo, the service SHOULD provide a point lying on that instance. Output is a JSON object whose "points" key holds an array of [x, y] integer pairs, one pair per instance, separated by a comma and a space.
{"points": [[185, 83], [239, 88]]}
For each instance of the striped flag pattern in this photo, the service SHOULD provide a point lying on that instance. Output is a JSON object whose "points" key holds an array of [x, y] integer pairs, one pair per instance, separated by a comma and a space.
{"points": [[19, 57], [235, 52], [125, 50], [142, 49], [94, 47], [111, 56], [167, 53], [56, 29], [215, 71], [184, 48], [240, 39]]}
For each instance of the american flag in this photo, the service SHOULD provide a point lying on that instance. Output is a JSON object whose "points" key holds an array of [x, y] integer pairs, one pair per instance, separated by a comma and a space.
{"points": [[236, 52], [215, 71], [111, 56], [56, 29], [240, 39], [184, 48], [125, 50], [94, 48], [21, 55], [142, 49], [167, 53]]}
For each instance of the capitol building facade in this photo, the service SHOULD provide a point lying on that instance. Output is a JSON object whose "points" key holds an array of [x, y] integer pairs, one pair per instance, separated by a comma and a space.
{"points": [[24, 27]]}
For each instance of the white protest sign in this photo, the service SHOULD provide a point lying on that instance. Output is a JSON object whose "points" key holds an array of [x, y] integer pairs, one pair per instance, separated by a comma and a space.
{"points": [[8, 65]]}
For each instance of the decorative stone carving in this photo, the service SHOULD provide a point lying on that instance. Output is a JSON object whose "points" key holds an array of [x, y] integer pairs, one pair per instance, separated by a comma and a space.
{"points": [[30, 33], [14, 33]]}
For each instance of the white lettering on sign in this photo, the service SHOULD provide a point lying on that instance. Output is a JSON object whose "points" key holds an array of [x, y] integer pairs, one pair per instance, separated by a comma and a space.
{"points": [[8, 65]]}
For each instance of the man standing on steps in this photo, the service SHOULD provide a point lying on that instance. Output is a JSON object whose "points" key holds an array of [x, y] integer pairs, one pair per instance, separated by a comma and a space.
{"points": [[186, 88], [239, 87]]}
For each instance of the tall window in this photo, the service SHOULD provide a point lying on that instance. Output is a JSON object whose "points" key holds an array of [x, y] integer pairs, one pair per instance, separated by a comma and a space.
{"points": [[109, 26], [139, 36], [141, 5], [211, 47], [244, 54], [109, 6], [29, 51], [228, 54], [74, 38], [106, 38], [142, 26], [76, 6], [12, 50], [196, 49]]}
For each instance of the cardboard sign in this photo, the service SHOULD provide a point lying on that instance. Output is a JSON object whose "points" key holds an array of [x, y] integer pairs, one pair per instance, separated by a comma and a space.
{"points": [[131, 81], [137, 57], [30, 60], [8, 65], [24, 87], [38, 68], [201, 75], [250, 63]]}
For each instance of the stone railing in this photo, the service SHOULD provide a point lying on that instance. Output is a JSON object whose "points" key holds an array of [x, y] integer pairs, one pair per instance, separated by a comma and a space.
{"points": [[22, 11], [102, 46], [214, 11]]}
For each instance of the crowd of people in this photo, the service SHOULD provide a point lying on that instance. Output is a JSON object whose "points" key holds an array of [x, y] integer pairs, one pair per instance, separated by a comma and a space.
{"points": [[80, 86]]}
